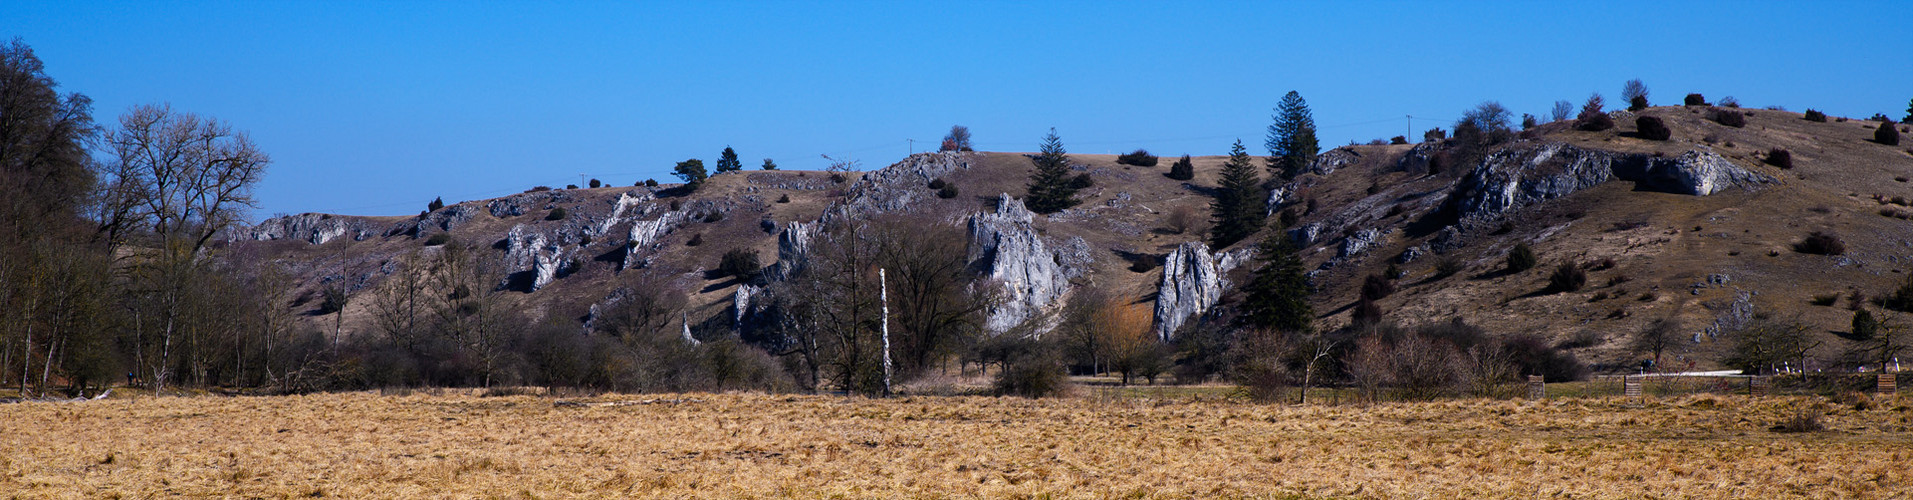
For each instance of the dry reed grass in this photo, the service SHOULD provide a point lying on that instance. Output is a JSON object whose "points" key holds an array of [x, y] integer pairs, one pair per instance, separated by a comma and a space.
{"points": [[363, 445]]}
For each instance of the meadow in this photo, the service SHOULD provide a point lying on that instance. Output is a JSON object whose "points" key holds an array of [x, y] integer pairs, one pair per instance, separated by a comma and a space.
{"points": [[460, 444]]}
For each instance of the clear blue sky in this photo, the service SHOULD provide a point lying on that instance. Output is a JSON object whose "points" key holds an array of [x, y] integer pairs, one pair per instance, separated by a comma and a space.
{"points": [[375, 108]]}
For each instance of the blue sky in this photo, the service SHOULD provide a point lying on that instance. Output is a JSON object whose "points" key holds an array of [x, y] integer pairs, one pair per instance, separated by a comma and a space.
{"points": [[376, 108]]}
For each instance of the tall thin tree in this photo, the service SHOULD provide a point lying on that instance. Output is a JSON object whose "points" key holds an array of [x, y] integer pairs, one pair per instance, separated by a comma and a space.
{"points": [[1239, 207], [1291, 142], [1049, 188]]}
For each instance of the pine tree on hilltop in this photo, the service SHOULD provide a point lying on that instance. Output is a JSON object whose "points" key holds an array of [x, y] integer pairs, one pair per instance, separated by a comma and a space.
{"points": [[1239, 207], [1183, 169], [1291, 142], [1049, 189], [1278, 294], [692, 171], [727, 161]]}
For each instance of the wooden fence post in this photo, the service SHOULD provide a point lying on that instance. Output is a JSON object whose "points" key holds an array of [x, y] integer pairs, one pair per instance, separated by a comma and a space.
{"points": [[1537, 387], [1888, 381]]}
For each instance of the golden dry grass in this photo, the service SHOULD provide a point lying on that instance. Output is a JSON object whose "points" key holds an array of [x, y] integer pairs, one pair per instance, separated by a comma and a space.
{"points": [[753, 446]]}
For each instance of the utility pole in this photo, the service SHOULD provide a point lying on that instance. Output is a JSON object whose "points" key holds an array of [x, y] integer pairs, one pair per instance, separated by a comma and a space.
{"points": [[1411, 128], [913, 145], [883, 294], [581, 180]]}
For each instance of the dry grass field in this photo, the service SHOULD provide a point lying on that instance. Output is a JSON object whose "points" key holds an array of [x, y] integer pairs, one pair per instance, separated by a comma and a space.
{"points": [[365, 445]]}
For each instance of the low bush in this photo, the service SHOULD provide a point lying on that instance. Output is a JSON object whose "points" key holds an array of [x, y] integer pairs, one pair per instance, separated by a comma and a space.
{"points": [[936, 183], [1729, 102], [1182, 170], [1140, 158], [785, 198], [696, 239], [556, 214], [739, 263], [1521, 258], [1825, 299], [1729, 118], [1651, 128], [535, 189], [1887, 134], [1567, 278], [1815, 116], [1780, 158], [1434, 134], [1377, 287], [571, 186], [1081, 181], [948, 191], [1593, 121], [1448, 266], [1032, 371], [596, 184], [438, 239], [1821, 243], [1638, 103], [1694, 100], [1398, 140]]}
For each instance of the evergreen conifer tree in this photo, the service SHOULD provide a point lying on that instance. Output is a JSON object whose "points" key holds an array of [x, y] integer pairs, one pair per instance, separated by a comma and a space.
{"points": [[1049, 188], [727, 161], [1291, 140], [692, 171], [1278, 294], [769, 165], [437, 203], [1239, 208]]}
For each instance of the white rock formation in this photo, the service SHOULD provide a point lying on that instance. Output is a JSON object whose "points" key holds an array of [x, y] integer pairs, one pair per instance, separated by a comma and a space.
{"points": [[1007, 245]]}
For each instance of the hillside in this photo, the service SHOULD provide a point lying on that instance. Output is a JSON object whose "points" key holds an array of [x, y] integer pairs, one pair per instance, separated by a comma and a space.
{"points": [[1697, 228]]}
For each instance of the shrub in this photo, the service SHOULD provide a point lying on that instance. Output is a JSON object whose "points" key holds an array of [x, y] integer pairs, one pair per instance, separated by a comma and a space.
{"points": [[437, 203], [1900, 300], [1592, 119], [1729, 118], [784, 198], [696, 239], [1567, 278], [1182, 170], [1377, 287], [1140, 158], [1651, 128], [1398, 140], [1780, 158], [1695, 100], [1081, 181], [1031, 371], [739, 263], [1521, 258], [1434, 134], [1447, 266], [1637, 103], [713, 217], [1528, 121], [556, 214], [535, 189], [438, 239], [1393, 272], [1821, 243], [1864, 326], [1815, 116], [1804, 421], [596, 184], [948, 191], [571, 186], [1887, 134], [1533, 356], [936, 183], [1825, 299], [1730, 102]]}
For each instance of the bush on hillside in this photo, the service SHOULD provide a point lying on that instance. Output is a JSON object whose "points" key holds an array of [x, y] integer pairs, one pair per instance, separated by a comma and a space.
{"points": [[556, 214], [1651, 128], [596, 184], [948, 191], [1567, 278], [1815, 116], [1398, 140], [1182, 170], [1695, 100], [1887, 134], [1729, 102], [1729, 118], [1521, 258], [936, 184], [438, 239], [784, 198], [739, 263], [1140, 158], [1780, 158], [1637, 103], [1821, 243], [696, 239], [1081, 181], [651, 183]]}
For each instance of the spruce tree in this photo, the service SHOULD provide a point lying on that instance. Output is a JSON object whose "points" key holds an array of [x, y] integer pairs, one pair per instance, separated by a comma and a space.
{"points": [[1239, 208], [1291, 140], [437, 203], [769, 165], [1049, 188], [1278, 294], [727, 161]]}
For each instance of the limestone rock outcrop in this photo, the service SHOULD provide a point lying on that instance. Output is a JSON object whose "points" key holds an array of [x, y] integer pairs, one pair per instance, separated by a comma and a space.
{"points": [[1191, 283], [534, 259], [311, 228], [1005, 244]]}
